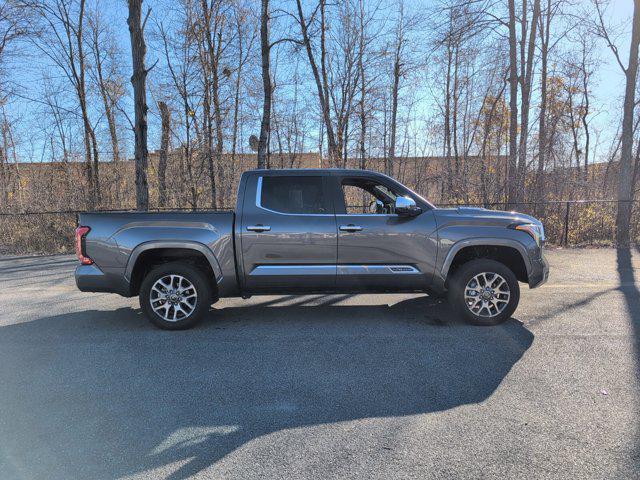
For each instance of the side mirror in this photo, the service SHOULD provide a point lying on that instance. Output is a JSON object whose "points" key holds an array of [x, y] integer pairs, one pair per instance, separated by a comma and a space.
{"points": [[406, 207]]}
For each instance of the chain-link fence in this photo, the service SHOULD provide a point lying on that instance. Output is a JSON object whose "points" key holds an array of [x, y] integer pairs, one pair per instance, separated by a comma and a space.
{"points": [[568, 223]]}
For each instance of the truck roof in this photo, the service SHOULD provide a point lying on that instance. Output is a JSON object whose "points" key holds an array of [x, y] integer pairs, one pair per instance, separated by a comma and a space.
{"points": [[314, 171]]}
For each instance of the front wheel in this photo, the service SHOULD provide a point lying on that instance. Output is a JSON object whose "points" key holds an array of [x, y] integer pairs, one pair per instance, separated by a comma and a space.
{"points": [[175, 296], [484, 292]]}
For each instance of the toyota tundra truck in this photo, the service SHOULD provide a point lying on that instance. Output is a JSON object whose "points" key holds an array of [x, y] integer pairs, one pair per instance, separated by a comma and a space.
{"points": [[312, 231]]}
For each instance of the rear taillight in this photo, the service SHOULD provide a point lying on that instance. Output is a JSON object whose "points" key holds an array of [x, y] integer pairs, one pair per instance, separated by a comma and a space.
{"points": [[81, 232]]}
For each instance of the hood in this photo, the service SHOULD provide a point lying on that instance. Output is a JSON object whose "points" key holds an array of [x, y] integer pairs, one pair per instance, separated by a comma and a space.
{"points": [[485, 212], [482, 216]]}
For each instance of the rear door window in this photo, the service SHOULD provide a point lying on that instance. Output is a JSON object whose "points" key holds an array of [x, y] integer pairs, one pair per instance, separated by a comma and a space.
{"points": [[295, 194]]}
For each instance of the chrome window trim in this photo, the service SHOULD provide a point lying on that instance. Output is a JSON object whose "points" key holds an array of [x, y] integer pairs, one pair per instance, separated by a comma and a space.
{"points": [[259, 203]]}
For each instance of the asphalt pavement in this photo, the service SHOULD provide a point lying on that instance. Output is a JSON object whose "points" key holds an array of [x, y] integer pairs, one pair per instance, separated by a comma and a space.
{"points": [[326, 387]]}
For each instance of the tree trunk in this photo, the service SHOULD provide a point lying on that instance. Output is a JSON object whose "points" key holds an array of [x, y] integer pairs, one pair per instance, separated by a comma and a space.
{"points": [[363, 92], [394, 111], [79, 75], [525, 86], [512, 187], [454, 117], [138, 80], [585, 110], [165, 115], [542, 129], [334, 145], [209, 59], [447, 118], [204, 52], [265, 49], [217, 117], [4, 163], [625, 177], [236, 102]]}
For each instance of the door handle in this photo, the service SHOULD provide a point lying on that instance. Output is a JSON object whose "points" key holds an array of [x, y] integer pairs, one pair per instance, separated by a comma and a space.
{"points": [[259, 228], [350, 228]]}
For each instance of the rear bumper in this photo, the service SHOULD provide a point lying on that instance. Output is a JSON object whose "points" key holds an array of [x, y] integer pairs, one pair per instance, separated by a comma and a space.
{"points": [[539, 273], [90, 278]]}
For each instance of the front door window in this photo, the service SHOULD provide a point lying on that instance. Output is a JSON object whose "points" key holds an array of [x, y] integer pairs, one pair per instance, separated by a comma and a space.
{"points": [[365, 196]]}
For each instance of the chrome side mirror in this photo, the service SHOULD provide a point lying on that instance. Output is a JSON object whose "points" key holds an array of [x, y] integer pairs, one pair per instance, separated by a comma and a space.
{"points": [[406, 207]]}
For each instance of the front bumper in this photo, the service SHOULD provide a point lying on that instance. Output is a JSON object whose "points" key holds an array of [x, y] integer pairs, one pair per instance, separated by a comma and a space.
{"points": [[539, 273], [90, 278]]}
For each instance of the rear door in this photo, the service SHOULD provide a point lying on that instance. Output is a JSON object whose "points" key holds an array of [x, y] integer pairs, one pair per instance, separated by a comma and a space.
{"points": [[288, 234]]}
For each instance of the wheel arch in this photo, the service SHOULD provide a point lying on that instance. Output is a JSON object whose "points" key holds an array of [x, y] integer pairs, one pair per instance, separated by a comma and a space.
{"points": [[150, 254], [506, 251]]}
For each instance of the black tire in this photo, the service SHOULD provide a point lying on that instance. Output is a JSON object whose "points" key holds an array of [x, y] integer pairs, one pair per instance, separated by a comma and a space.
{"points": [[202, 300], [459, 281]]}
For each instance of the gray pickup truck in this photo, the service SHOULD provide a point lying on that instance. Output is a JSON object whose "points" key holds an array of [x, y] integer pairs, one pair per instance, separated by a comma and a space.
{"points": [[312, 231]]}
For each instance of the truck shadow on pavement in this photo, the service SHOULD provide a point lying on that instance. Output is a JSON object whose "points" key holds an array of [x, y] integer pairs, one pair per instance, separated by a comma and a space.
{"points": [[102, 394], [631, 294]]}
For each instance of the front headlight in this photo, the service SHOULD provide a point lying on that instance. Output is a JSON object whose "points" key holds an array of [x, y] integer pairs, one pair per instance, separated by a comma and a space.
{"points": [[534, 229]]}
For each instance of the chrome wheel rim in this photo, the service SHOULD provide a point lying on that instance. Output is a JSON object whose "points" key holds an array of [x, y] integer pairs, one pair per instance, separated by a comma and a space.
{"points": [[173, 298], [487, 294]]}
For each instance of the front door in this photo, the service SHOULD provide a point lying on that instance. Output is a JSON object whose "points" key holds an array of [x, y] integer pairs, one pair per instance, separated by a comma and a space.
{"points": [[289, 235], [378, 249]]}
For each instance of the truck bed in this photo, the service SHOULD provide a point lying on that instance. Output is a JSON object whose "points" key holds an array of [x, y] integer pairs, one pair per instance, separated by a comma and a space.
{"points": [[117, 239]]}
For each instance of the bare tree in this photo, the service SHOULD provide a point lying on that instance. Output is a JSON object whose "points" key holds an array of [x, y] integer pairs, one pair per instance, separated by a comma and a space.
{"points": [[576, 70], [400, 40], [543, 143], [526, 80], [110, 83], [505, 99], [320, 76], [585, 68], [369, 58], [512, 187], [14, 26], [625, 176], [265, 50], [180, 64], [246, 36], [138, 80], [62, 41]]}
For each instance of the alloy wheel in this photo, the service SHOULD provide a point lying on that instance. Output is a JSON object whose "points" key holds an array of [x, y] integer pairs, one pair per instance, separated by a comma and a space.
{"points": [[173, 297]]}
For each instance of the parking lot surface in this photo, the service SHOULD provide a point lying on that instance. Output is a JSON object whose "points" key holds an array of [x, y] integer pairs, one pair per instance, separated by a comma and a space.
{"points": [[364, 386]]}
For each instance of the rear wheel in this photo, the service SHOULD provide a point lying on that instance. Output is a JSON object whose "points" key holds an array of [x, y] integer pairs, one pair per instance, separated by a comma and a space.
{"points": [[175, 296], [484, 292]]}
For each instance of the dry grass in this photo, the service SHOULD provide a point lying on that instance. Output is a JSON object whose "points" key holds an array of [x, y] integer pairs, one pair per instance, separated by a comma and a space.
{"points": [[589, 224], [37, 233]]}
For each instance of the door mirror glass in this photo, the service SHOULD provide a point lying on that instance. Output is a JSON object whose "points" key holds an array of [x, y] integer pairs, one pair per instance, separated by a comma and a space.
{"points": [[406, 207]]}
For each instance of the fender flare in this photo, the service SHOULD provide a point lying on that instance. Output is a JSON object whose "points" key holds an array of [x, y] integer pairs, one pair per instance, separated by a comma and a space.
{"points": [[484, 241], [182, 244]]}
